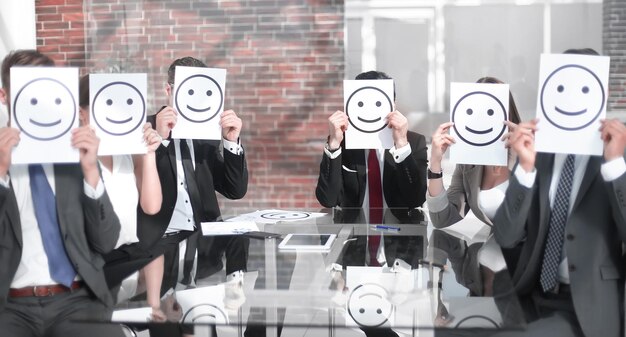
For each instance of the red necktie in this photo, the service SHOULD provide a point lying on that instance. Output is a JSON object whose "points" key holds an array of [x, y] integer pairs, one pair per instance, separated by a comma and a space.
{"points": [[375, 202]]}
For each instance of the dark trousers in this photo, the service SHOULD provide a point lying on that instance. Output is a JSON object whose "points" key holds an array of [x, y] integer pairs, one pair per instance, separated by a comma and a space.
{"points": [[211, 250], [57, 315]]}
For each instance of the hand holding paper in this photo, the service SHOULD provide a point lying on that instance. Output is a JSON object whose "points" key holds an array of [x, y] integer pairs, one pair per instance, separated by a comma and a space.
{"points": [[337, 125], [231, 125], [165, 121], [522, 140], [399, 126], [614, 137], [85, 140], [9, 137]]}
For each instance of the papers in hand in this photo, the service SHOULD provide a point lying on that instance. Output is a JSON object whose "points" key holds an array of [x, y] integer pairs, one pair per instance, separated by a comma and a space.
{"points": [[228, 228], [137, 315]]}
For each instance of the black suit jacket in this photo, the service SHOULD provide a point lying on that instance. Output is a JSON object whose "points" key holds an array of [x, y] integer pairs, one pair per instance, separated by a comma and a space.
{"points": [[342, 181], [89, 228], [595, 230], [227, 174]]}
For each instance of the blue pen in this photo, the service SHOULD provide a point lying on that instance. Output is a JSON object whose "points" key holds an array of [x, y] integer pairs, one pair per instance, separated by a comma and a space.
{"points": [[390, 228]]}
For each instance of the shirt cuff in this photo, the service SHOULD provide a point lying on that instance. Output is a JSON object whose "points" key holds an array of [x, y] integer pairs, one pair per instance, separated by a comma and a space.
{"points": [[94, 193], [399, 155], [232, 147], [5, 182], [526, 179], [613, 169], [334, 154]]}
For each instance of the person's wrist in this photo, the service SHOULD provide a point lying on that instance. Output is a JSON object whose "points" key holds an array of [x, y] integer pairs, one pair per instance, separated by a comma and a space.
{"points": [[527, 165], [333, 144], [401, 143]]}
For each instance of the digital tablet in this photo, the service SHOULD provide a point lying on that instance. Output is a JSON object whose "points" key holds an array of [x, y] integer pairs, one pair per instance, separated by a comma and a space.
{"points": [[307, 242]]}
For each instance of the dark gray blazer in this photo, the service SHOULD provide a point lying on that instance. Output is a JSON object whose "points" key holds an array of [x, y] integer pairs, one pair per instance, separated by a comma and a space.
{"points": [[595, 230], [89, 228], [446, 208]]}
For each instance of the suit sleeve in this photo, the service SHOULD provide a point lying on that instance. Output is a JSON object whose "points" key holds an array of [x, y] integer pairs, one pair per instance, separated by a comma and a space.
{"points": [[330, 181], [230, 173], [509, 223], [409, 176], [444, 208], [102, 226], [617, 193]]}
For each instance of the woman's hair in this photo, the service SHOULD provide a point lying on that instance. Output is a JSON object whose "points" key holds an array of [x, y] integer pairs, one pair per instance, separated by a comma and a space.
{"points": [[513, 113], [83, 91]]}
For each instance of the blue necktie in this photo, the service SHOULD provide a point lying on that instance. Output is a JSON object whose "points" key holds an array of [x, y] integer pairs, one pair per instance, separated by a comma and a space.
{"points": [[59, 264], [556, 230]]}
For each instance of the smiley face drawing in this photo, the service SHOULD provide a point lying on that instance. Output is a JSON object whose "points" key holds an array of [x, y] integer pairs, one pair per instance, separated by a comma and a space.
{"points": [[118, 108], [369, 305], [44, 117], [572, 97], [367, 108], [199, 98], [478, 118], [285, 216], [205, 313]]}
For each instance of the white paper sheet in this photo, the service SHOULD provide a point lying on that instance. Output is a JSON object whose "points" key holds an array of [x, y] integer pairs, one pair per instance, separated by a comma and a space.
{"points": [[272, 216], [198, 97], [228, 228], [367, 104], [136, 315], [203, 305], [478, 111], [44, 106], [572, 98], [118, 112]]}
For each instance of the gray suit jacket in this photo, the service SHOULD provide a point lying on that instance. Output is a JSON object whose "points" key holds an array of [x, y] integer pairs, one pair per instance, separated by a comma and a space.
{"points": [[89, 228], [448, 208], [594, 232]]}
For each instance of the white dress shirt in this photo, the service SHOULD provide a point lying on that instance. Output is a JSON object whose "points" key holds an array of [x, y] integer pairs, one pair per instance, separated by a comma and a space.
{"points": [[182, 218], [33, 267]]}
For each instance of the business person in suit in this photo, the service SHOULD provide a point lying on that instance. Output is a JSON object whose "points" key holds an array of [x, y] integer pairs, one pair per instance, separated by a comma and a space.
{"points": [[570, 212], [56, 222], [189, 198], [476, 188], [343, 173]]}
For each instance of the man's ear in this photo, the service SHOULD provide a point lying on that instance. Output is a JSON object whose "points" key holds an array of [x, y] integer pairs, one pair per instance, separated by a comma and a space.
{"points": [[4, 98], [168, 89]]}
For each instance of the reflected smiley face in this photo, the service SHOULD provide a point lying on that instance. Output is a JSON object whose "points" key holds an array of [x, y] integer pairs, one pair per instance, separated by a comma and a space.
{"points": [[572, 97], [118, 108], [369, 305], [478, 118], [198, 98], [367, 109], [44, 116], [285, 215]]}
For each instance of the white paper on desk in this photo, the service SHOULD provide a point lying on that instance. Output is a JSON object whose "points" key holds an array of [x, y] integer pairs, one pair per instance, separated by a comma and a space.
{"points": [[44, 107], [228, 228], [118, 112], [136, 315], [571, 101], [203, 305], [470, 229], [199, 99], [478, 112], [367, 104], [272, 216]]}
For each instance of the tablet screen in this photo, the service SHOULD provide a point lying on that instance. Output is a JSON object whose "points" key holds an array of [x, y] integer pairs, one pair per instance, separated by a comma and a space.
{"points": [[307, 241]]}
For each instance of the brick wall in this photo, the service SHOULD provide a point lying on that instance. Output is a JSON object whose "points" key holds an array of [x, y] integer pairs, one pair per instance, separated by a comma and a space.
{"points": [[614, 45], [285, 62]]}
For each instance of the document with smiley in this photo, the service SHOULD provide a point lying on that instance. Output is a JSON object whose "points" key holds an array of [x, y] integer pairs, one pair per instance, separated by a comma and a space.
{"points": [[118, 112], [571, 101], [367, 104], [478, 111], [44, 107], [198, 97]]}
